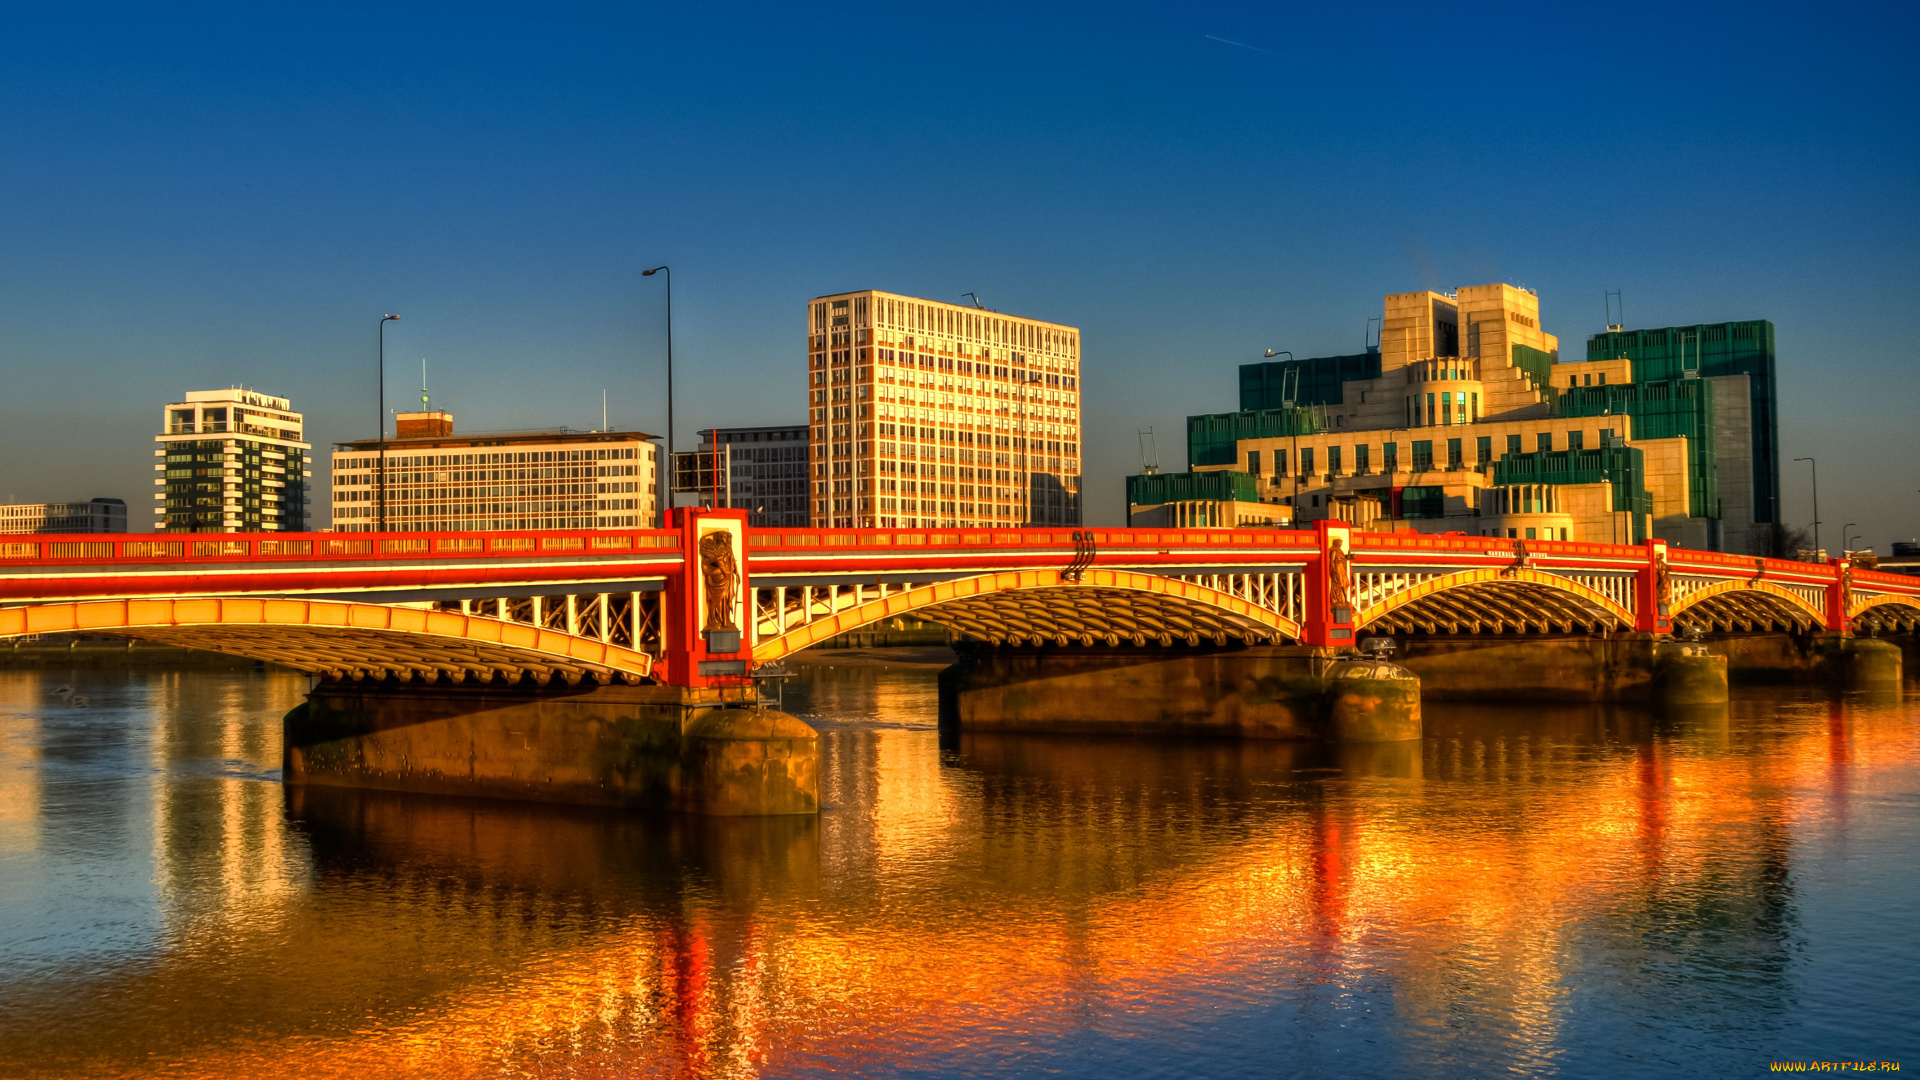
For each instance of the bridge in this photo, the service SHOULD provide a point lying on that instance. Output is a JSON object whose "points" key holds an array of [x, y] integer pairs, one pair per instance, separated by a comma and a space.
{"points": [[612, 667], [705, 603]]}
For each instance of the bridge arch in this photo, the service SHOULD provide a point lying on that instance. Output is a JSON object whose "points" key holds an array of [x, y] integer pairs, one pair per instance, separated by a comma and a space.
{"points": [[344, 639], [1044, 606], [1902, 611], [1744, 603], [1494, 600]]}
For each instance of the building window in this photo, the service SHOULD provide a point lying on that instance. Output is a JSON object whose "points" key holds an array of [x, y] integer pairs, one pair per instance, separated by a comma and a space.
{"points": [[1306, 461], [1360, 463], [1389, 457], [1543, 441], [1483, 450], [1279, 463], [1253, 462], [1603, 378], [1333, 460], [1430, 413], [1576, 440], [1423, 502], [1513, 444], [1453, 454], [1422, 455]]}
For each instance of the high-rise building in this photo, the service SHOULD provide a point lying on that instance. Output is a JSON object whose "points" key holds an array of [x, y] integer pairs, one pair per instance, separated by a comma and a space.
{"points": [[763, 470], [926, 414], [439, 481], [1464, 418], [95, 516], [1722, 353], [231, 461]]}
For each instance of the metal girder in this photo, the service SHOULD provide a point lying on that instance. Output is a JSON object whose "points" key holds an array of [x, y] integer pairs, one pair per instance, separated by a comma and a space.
{"points": [[1498, 605], [1108, 605], [1743, 608], [328, 637]]}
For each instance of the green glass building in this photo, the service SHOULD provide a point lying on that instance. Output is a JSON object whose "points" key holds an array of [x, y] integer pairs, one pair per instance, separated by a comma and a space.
{"points": [[1712, 351]]}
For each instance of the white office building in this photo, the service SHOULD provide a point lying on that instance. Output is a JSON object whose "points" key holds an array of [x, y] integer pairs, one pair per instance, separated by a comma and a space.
{"points": [[231, 461]]}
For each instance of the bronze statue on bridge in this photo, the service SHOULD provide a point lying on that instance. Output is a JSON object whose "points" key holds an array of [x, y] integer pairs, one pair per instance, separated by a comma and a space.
{"points": [[722, 577]]}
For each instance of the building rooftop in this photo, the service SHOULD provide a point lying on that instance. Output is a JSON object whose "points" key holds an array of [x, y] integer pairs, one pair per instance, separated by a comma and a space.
{"points": [[236, 394], [497, 438]]}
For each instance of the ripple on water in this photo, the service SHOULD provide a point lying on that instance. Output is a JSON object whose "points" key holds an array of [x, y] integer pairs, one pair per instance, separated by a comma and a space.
{"points": [[1579, 891]]}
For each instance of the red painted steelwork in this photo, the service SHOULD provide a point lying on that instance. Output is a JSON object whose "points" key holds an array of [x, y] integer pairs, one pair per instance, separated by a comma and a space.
{"points": [[40, 568]]}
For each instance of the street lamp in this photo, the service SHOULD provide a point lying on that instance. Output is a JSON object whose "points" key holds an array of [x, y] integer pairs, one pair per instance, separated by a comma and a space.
{"points": [[666, 467], [381, 430], [1815, 467], [1846, 538], [1288, 400]]}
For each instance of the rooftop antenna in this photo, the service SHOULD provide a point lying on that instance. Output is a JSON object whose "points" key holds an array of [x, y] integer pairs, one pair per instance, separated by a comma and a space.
{"points": [[1149, 454], [1615, 298], [976, 300], [423, 382], [603, 408]]}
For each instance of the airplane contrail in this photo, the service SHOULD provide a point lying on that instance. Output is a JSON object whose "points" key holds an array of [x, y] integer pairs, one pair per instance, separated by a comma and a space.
{"points": [[1239, 45]]}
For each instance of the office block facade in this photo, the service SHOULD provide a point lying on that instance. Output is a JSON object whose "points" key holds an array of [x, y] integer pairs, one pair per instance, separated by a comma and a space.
{"points": [[93, 516], [925, 414], [436, 480], [1738, 359], [1465, 418], [763, 471], [231, 461]]}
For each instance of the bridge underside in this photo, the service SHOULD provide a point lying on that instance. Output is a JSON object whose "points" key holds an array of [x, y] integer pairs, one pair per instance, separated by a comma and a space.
{"points": [[1043, 607], [1893, 613], [1745, 610], [1074, 615], [1499, 607], [347, 640]]}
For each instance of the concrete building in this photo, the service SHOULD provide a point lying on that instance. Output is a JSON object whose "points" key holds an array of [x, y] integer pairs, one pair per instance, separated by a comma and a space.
{"points": [[1464, 418], [1208, 500], [763, 470], [231, 461], [926, 414], [440, 481], [93, 516]]}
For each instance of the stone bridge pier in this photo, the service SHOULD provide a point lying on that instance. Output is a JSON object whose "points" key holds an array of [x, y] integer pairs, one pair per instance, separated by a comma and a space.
{"points": [[1261, 692]]}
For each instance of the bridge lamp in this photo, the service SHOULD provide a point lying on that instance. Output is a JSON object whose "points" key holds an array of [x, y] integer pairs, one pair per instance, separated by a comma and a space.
{"points": [[666, 487], [381, 430], [1846, 537]]}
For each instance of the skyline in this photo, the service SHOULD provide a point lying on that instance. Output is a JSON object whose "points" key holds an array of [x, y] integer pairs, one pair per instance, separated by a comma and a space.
{"points": [[188, 215]]}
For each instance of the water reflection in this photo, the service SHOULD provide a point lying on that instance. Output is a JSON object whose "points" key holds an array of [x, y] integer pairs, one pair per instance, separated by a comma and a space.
{"points": [[1533, 889]]}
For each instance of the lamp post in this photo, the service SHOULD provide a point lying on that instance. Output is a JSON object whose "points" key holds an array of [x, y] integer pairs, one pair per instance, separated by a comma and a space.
{"points": [[1846, 538], [666, 467], [1294, 466], [1815, 467], [381, 431]]}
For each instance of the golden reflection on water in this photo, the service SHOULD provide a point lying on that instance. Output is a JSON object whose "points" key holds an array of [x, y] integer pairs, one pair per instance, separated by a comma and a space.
{"points": [[980, 897]]}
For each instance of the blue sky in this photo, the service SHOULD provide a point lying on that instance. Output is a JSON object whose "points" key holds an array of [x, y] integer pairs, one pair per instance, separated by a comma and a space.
{"points": [[199, 196]]}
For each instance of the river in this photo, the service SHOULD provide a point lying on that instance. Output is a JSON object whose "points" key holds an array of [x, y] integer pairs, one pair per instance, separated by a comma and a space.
{"points": [[1571, 891]]}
